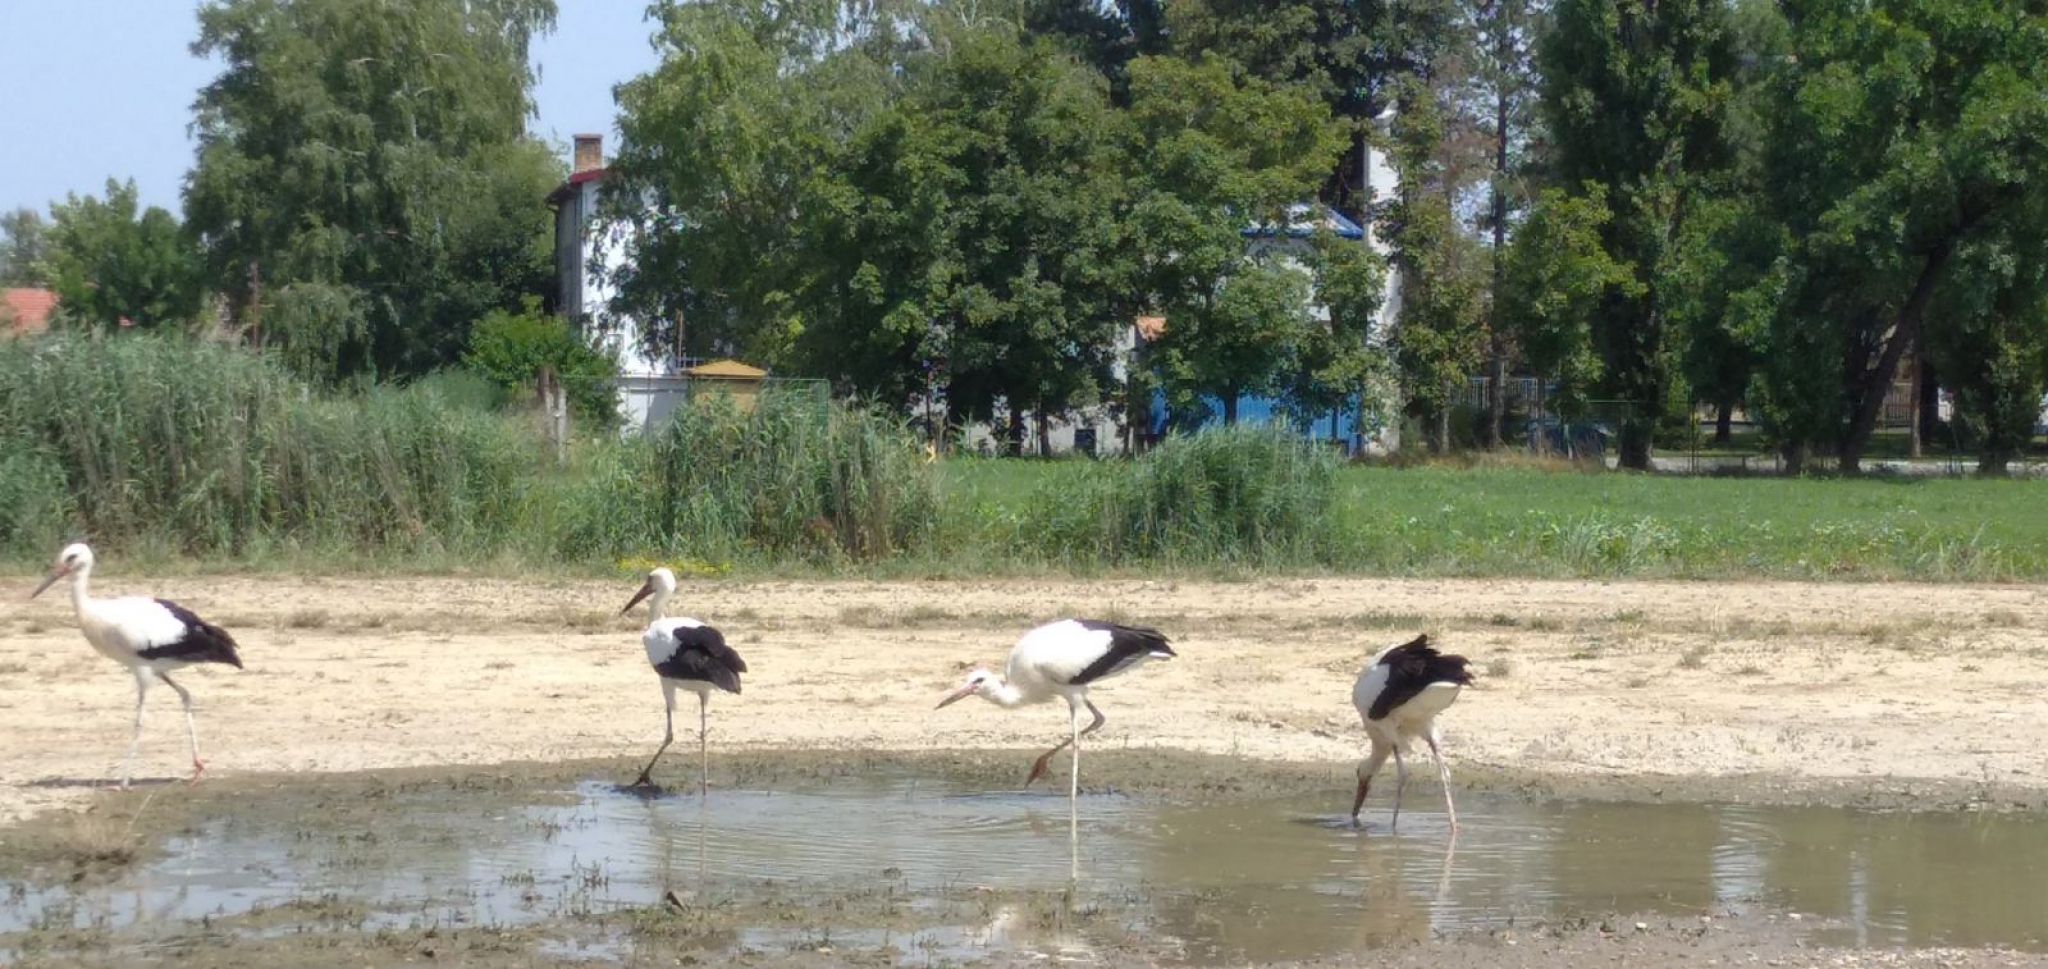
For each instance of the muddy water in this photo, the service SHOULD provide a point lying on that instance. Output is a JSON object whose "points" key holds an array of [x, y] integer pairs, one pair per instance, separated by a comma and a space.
{"points": [[1236, 880]]}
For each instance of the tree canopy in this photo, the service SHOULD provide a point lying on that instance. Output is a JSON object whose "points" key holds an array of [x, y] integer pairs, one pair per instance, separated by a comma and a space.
{"points": [[365, 188]]}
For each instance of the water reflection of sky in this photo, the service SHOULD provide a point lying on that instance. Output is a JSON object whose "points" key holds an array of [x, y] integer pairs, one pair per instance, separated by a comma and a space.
{"points": [[1283, 879]]}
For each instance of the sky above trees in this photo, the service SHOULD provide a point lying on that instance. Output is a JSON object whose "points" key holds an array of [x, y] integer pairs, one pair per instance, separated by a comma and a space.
{"points": [[107, 90]]}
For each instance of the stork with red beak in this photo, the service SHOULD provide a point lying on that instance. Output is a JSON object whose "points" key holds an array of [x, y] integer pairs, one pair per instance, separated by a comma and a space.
{"points": [[1063, 659], [687, 655], [152, 637], [1398, 696]]}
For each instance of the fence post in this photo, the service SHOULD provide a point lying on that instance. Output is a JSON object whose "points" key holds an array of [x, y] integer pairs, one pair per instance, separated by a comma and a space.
{"points": [[555, 406]]}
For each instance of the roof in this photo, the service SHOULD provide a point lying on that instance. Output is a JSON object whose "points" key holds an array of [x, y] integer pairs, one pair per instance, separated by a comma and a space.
{"points": [[727, 370], [1303, 219], [1151, 327], [587, 175], [26, 311]]}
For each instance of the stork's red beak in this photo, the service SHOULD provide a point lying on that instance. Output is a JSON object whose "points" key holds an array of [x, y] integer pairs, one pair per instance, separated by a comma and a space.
{"points": [[646, 589], [49, 580], [957, 696]]}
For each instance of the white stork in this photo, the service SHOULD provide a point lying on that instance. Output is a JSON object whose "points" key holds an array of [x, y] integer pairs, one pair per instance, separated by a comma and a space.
{"points": [[685, 653], [1063, 659], [152, 637], [1398, 695]]}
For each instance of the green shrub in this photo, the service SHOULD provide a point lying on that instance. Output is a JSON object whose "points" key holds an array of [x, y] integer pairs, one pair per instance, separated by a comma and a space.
{"points": [[509, 349]]}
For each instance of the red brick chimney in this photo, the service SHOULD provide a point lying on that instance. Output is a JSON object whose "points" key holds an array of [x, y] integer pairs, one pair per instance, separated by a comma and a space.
{"points": [[589, 153]]}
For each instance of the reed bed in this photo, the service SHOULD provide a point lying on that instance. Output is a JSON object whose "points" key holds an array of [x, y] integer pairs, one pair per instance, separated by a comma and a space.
{"points": [[194, 452]]}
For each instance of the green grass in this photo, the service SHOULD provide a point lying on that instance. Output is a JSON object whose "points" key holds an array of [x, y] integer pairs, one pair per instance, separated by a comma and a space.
{"points": [[183, 455]]}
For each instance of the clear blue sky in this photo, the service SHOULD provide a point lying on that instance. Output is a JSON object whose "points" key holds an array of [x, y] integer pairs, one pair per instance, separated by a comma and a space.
{"points": [[99, 88]]}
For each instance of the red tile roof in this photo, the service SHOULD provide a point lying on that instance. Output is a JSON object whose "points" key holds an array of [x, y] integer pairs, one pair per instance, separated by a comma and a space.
{"points": [[26, 311]]}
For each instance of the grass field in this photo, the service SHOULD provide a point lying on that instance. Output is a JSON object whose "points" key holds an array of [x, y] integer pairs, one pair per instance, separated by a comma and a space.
{"points": [[1532, 522]]}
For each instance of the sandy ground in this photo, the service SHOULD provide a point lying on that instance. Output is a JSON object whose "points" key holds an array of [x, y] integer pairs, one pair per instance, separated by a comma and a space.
{"points": [[1767, 687]]}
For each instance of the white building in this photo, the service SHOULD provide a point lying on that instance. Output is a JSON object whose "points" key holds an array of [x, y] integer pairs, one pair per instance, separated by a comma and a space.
{"points": [[651, 384]]}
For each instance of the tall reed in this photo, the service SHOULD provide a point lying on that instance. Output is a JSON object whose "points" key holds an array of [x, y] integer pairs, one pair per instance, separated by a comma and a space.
{"points": [[212, 450]]}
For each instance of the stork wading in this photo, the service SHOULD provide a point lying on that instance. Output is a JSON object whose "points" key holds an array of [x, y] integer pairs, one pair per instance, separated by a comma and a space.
{"points": [[687, 655], [1399, 695], [1063, 659], [152, 637]]}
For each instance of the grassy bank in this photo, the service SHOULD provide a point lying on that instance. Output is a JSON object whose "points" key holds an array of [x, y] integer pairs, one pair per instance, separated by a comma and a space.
{"points": [[201, 455]]}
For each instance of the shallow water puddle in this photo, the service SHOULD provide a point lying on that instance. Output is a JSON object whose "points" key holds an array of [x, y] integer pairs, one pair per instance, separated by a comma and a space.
{"points": [[1230, 880]]}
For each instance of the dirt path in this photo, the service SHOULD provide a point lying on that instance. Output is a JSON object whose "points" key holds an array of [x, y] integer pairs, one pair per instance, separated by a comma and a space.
{"points": [[1861, 686]]}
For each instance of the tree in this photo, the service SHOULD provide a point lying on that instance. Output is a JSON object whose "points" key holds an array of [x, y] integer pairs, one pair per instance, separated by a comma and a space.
{"points": [[1634, 94], [365, 188], [1240, 340], [1218, 154], [24, 248], [1558, 275], [1902, 134], [1503, 82], [1441, 338], [112, 265], [939, 216], [727, 147], [511, 348], [1349, 53], [1337, 362]]}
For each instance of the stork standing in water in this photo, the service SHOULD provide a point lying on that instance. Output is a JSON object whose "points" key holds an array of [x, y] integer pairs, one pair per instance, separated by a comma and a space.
{"points": [[1398, 695], [1063, 659], [152, 637], [687, 655]]}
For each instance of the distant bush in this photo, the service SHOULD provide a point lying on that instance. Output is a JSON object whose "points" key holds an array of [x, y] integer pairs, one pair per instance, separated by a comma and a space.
{"points": [[510, 349], [1243, 495], [796, 475]]}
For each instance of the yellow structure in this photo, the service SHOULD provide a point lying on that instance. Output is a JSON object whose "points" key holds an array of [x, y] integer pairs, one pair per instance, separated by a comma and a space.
{"points": [[741, 381]]}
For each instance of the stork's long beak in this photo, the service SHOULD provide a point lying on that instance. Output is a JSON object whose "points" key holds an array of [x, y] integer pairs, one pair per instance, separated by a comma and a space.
{"points": [[49, 580], [646, 589], [957, 696]]}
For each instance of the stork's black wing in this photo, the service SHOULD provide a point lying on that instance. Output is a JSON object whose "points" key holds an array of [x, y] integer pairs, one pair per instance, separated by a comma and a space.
{"points": [[202, 641], [1411, 668], [1127, 645], [701, 654]]}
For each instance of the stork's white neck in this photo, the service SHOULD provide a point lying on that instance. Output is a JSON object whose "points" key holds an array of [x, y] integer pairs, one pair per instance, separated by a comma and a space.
{"points": [[657, 605], [79, 598]]}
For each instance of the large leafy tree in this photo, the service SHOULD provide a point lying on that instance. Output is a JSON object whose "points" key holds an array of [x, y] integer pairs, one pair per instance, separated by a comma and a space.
{"points": [[1906, 148], [111, 262], [938, 214], [365, 187], [1216, 153], [1441, 336], [1557, 275], [980, 214], [1634, 97], [727, 146], [24, 248]]}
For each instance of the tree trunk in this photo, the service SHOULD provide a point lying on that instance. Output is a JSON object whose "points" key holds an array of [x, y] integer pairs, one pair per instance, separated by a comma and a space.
{"points": [[1794, 455], [1994, 462], [1230, 408], [1044, 435], [1634, 447], [1497, 397], [1724, 419], [1930, 400], [1913, 442], [1015, 432], [1440, 433], [1875, 381]]}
